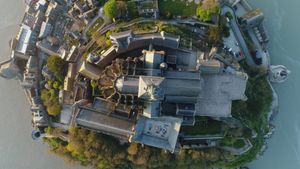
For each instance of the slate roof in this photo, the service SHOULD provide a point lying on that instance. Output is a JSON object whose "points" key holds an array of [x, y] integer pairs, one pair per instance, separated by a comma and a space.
{"points": [[218, 93]]}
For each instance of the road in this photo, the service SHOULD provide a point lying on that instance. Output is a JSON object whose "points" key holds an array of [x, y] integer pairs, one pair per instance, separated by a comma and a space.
{"points": [[238, 34]]}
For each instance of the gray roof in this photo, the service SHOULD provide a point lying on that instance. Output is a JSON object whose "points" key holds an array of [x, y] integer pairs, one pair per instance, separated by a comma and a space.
{"points": [[31, 63], [65, 114], [29, 20], [151, 87], [23, 39], [127, 85], [90, 71], [46, 29], [182, 75], [187, 90], [152, 109], [161, 132], [123, 34], [218, 93], [122, 39], [97, 120], [153, 59], [127, 40]]}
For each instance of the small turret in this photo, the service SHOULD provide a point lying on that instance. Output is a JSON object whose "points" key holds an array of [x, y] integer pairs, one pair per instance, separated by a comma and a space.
{"points": [[8, 69]]}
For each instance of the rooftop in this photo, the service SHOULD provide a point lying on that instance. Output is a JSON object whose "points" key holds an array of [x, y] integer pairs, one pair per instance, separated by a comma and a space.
{"points": [[218, 92], [161, 132], [106, 124], [23, 39]]}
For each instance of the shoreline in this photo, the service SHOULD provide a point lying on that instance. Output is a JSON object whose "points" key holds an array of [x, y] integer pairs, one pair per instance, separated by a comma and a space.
{"points": [[275, 104], [32, 99]]}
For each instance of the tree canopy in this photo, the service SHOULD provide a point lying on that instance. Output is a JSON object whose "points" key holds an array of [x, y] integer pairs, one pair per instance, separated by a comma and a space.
{"points": [[104, 152], [111, 9], [216, 34], [206, 9], [56, 65], [50, 100]]}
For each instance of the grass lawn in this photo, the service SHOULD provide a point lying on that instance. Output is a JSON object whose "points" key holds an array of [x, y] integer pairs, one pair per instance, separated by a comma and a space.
{"points": [[95, 26], [208, 127], [177, 7], [239, 143]]}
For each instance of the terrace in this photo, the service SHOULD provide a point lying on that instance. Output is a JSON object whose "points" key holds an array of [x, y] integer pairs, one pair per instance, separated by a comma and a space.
{"points": [[95, 27], [203, 126], [181, 8]]}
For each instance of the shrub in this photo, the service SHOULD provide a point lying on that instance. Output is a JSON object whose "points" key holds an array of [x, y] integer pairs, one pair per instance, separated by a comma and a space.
{"points": [[229, 15], [56, 85]]}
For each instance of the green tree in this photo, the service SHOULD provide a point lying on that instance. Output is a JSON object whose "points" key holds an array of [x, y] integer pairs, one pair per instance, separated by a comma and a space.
{"points": [[111, 9], [54, 109], [56, 85], [56, 65], [50, 100], [132, 9], [229, 15]]}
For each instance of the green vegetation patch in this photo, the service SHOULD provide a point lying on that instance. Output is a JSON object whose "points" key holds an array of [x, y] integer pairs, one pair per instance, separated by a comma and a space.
{"points": [[254, 111], [203, 127], [207, 9], [242, 160], [148, 5], [239, 143], [105, 152], [98, 23], [233, 142], [57, 66], [144, 27], [177, 8], [50, 100], [132, 9]]}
